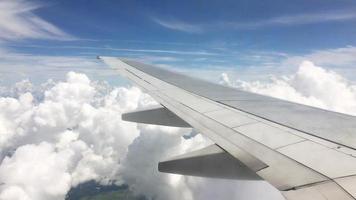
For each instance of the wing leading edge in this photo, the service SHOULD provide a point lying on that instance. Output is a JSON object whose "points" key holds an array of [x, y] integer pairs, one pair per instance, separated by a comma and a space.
{"points": [[306, 153]]}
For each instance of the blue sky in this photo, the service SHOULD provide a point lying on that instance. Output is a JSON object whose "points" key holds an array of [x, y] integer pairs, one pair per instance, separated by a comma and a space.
{"points": [[248, 37]]}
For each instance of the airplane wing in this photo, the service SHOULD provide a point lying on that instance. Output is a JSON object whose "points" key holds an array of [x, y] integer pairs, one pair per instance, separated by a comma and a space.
{"points": [[305, 152]]}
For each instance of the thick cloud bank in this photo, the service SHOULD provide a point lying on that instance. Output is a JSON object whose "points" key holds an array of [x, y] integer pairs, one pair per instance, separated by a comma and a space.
{"points": [[60, 134], [70, 133]]}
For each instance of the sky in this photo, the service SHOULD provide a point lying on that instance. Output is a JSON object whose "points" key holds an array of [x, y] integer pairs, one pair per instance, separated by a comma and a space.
{"points": [[60, 106], [251, 39]]}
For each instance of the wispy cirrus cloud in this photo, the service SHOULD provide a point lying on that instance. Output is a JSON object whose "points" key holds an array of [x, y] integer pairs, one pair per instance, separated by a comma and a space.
{"points": [[17, 22], [164, 51], [278, 21], [299, 19], [261, 65], [179, 25]]}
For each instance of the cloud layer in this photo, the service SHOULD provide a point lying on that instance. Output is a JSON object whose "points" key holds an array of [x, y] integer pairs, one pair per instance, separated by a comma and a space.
{"points": [[73, 133], [69, 132]]}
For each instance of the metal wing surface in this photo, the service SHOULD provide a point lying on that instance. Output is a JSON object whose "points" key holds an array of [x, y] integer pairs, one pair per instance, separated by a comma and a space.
{"points": [[305, 152]]}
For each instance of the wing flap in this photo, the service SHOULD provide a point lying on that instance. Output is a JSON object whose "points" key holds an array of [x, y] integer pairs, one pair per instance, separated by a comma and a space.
{"points": [[212, 162], [158, 116]]}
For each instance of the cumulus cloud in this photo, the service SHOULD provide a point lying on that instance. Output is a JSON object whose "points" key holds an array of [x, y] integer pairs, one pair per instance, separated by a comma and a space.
{"points": [[311, 85], [139, 168], [224, 79], [17, 21], [35, 172], [73, 133], [69, 132]]}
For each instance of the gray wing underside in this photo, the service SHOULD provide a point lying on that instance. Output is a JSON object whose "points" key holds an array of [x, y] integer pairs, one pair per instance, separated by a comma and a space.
{"points": [[305, 152]]}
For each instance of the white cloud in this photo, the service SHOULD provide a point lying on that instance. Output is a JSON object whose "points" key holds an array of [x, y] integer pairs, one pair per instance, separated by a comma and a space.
{"points": [[158, 51], [35, 172], [15, 67], [299, 19], [153, 145], [224, 79], [311, 85], [261, 65], [17, 21], [344, 57], [158, 59], [71, 132], [287, 20], [178, 25]]}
